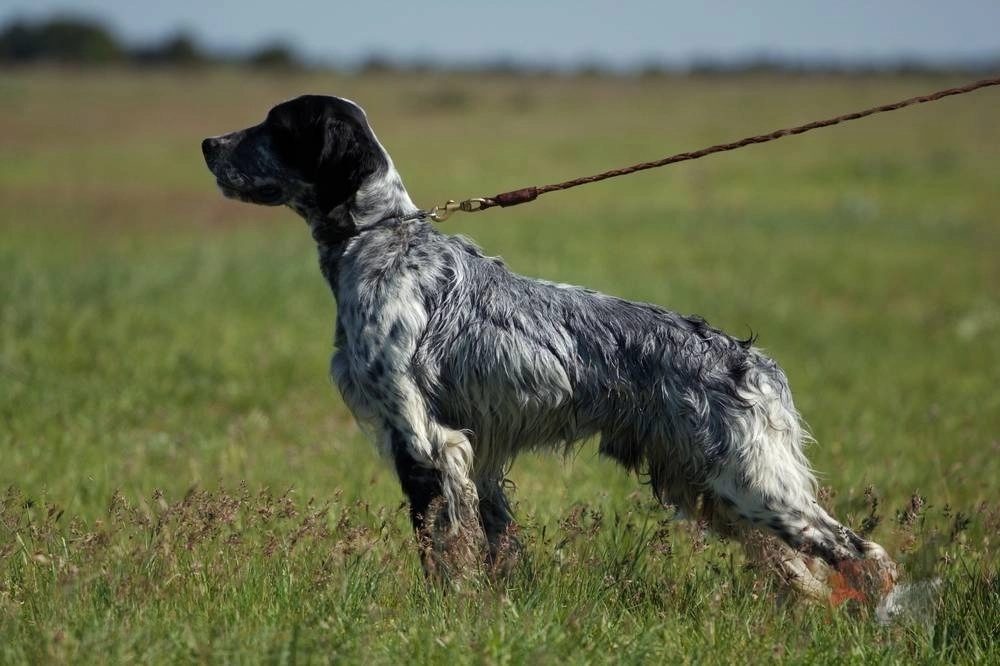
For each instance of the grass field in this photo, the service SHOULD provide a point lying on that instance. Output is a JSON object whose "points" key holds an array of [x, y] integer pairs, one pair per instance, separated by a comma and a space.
{"points": [[181, 483]]}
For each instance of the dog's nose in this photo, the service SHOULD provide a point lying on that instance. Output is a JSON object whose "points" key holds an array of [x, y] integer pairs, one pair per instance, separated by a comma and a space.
{"points": [[208, 147]]}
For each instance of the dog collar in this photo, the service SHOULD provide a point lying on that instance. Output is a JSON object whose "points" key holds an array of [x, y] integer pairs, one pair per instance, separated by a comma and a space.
{"points": [[328, 234]]}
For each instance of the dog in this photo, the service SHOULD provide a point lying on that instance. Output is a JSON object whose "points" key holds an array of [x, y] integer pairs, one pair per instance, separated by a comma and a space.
{"points": [[454, 364]]}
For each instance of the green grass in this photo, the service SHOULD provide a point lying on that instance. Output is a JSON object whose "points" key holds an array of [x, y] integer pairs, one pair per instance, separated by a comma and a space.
{"points": [[181, 484]]}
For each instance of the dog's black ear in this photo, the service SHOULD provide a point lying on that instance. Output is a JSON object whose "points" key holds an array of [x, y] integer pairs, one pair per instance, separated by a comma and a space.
{"points": [[350, 155], [328, 141]]}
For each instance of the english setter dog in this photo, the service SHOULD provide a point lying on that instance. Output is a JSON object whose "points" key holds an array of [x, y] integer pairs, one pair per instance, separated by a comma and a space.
{"points": [[455, 364]]}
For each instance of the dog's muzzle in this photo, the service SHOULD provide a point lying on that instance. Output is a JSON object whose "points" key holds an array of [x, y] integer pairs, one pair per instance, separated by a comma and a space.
{"points": [[233, 185]]}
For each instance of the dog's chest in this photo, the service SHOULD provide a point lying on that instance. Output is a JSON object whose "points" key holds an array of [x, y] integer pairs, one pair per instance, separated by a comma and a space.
{"points": [[381, 314]]}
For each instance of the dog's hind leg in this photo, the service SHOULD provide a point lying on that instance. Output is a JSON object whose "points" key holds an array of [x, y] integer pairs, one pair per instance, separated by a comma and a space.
{"points": [[810, 543], [812, 533], [767, 485], [809, 540]]}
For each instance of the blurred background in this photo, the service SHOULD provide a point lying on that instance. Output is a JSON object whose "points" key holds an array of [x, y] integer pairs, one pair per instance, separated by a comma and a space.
{"points": [[158, 335], [518, 36], [156, 339]]}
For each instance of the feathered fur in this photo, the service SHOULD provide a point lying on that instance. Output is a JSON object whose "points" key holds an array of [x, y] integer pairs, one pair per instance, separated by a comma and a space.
{"points": [[455, 364]]}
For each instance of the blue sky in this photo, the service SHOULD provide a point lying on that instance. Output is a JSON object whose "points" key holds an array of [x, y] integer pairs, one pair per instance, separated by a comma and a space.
{"points": [[617, 32]]}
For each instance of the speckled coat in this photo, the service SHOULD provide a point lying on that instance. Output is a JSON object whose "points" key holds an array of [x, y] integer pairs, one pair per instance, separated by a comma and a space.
{"points": [[454, 364]]}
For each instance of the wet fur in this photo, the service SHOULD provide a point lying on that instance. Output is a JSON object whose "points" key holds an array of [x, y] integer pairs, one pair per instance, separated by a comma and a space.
{"points": [[455, 364]]}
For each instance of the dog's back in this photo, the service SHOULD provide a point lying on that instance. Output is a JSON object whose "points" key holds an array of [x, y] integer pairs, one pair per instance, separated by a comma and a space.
{"points": [[456, 364], [519, 363]]}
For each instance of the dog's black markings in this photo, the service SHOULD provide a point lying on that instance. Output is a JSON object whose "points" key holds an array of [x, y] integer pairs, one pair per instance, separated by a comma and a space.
{"points": [[455, 364]]}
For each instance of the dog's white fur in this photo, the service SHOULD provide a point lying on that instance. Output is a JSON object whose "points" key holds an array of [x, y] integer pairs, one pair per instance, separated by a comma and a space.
{"points": [[456, 364]]}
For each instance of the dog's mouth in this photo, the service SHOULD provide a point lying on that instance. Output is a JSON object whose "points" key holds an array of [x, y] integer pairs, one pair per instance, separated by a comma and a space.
{"points": [[268, 195], [265, 195]]}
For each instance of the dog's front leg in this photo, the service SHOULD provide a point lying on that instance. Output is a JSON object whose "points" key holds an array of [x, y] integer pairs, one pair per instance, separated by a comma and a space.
{"points": [[421, 484], [498, 524], [443, 505]]}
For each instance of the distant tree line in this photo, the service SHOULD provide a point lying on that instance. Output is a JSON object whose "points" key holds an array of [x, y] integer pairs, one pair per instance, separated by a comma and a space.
{"points": [[81, 40]]}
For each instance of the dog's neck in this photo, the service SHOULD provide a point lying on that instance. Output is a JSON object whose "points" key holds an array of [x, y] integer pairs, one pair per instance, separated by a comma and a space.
{"points": [[382, 196]]}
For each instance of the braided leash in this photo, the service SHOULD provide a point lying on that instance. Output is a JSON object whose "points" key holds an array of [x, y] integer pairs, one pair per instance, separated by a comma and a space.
{"points": [[526, 194]]}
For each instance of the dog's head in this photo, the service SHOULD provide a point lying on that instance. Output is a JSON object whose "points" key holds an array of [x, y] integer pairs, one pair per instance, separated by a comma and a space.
{"points": [[311, 153]]}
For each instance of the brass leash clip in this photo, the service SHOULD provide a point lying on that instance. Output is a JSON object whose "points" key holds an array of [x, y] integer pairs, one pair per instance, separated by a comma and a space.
{"points": [[442, 213]]}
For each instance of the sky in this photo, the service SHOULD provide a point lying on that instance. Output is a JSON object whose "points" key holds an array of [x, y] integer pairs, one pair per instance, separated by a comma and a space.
{"points": [[564, 33]]}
